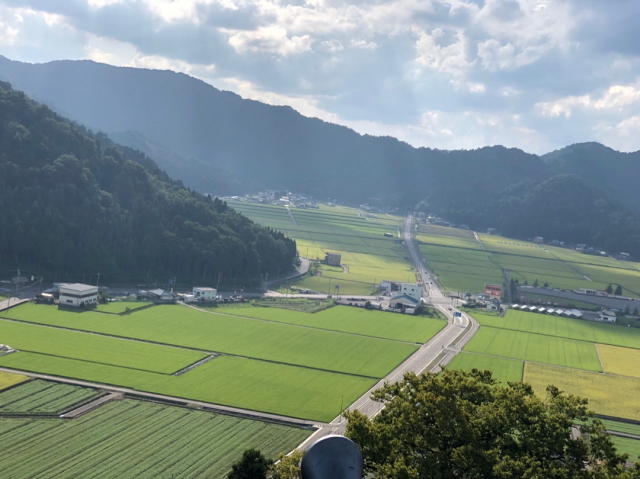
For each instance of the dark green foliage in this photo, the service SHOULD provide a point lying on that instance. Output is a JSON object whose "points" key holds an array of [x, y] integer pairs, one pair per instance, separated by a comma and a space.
{"points": [[609, 289], [618, 291], [613, 171], [464, 424], [71, 203], [252, 465]]}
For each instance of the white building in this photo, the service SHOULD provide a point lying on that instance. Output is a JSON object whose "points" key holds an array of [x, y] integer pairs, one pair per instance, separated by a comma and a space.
{"points": [[204, 293], [606, 315], [403, 300], [412, 290], [78, 295]]}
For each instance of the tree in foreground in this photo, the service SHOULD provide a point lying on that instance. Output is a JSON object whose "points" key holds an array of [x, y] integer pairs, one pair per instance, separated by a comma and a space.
{"points": [[618, 291], [252, 465], [466, 425], [287, 467]]}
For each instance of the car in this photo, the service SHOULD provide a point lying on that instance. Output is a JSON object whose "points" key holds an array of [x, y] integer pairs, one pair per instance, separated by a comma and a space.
{"points": [[450, 309]]}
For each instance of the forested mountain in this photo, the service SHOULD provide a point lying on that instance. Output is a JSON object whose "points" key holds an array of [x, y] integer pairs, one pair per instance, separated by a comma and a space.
{"points": [[616, 173], [217, 142], [72, 202]]}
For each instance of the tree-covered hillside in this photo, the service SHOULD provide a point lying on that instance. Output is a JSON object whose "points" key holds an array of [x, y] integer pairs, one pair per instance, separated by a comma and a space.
{"points": [[614, 172], [72, 202], [218, 142]]}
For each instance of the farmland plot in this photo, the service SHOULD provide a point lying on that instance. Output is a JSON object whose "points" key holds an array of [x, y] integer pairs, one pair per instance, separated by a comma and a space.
{"points": [[608, 394], [92, 347], [535, 347], [358, 321], [504, 370], [40, 396], [231, 381], [564, 328], [189, 328], [8, 380], [133, 439]]}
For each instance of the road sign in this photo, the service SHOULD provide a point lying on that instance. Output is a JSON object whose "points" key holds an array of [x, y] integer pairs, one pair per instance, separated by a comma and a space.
{"points": [[457, 314], [337, 286]]}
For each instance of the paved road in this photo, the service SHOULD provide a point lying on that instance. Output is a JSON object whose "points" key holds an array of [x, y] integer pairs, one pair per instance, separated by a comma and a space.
{"points": [[439, 350]]}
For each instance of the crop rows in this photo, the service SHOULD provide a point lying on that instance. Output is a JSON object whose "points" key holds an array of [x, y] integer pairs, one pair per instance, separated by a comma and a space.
{"points": [[134, 439], [44, 397]]}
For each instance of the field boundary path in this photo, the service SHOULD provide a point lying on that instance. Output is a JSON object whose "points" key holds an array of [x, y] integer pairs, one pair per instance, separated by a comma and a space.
{"points": [[90, 406], [11, 303], [436, 352], [219, 408], [477, 237], [291, 215]]}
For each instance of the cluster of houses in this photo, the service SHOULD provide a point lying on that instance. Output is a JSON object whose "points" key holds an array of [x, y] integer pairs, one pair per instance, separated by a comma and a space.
{"points": [[162, 296], [78, 295]]}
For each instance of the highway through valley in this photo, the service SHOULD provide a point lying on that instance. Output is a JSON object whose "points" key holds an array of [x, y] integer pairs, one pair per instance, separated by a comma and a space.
{"points": [[439, 350]]}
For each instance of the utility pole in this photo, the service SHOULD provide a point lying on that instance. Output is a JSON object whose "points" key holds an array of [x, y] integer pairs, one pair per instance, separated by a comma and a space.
{"points": [[98, 282]]}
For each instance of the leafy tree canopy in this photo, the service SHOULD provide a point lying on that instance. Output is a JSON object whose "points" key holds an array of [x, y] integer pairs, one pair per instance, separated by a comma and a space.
{"points": [[252, 465], [466, 425]]}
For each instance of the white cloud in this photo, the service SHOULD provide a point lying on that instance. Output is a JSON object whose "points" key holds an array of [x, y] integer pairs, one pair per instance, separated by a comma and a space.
{"points": [[614, 98], [432, 72], [450, 59], [629, 126], [268, 39]]}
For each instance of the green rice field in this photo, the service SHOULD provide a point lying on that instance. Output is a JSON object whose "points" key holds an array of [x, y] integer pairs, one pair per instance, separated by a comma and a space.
{"points": [[135, 439], [93, 347], [231, 381], [625, 445], [504, 370], [461, 263], [190, 328], [563, 328], [38, 397], [281, 361], [621, 427], [359, 321], [358, 236], [535, 347]]}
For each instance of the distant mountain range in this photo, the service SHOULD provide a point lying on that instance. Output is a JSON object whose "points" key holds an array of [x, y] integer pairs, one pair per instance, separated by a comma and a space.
{"points": [[216, 142]]}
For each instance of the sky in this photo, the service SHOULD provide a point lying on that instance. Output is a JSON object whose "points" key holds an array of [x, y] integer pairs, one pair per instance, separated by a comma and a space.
{"points": [[449, 74]]}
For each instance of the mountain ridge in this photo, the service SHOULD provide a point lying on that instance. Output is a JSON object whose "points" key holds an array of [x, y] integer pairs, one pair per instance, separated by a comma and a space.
{"points": [[217, 142]]}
